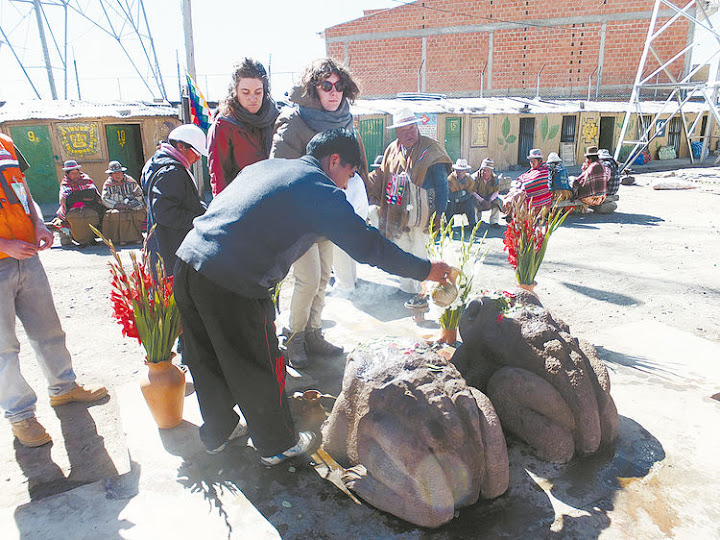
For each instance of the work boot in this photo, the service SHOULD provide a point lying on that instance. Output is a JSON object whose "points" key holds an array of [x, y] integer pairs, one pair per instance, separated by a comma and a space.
{"points": [[30, 432], [317, 344], [79, 393], [296, 350]]}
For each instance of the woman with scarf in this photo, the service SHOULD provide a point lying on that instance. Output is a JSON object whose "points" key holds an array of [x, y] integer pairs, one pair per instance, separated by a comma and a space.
{"points": [[242, 131], [80, 204], [321, 102]]}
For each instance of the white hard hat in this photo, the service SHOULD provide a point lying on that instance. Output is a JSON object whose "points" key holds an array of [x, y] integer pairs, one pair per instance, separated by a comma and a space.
{"points": [[192, 135]]}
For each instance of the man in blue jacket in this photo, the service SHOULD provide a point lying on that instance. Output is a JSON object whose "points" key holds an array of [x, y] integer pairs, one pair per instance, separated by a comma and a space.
{"points": [[244, 244]]}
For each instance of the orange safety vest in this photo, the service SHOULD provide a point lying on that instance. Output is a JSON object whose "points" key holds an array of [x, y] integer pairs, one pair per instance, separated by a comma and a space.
{"points": [[15, 220]]}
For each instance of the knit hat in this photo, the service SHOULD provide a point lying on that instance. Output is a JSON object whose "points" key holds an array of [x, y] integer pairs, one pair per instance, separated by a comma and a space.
{"points": [[487, 163]]}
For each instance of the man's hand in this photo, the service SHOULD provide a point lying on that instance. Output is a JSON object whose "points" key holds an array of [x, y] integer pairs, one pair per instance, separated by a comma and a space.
{"points": [[43, 237], [17, 249], [439, 271]]}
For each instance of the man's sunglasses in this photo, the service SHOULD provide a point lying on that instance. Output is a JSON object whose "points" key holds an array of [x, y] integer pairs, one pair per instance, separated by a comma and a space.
{"points": [[327, 86]]}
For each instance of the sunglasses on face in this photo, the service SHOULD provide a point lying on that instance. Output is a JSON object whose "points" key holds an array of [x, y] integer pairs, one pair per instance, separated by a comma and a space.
{"points": [[327, 86]]}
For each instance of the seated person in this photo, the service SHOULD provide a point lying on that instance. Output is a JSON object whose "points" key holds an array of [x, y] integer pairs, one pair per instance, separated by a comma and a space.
{"points": [[460, 189], [591, 186], [487, 191], [532, 186], [611, 171], [126, 214], [80, 204], [559, 180]]}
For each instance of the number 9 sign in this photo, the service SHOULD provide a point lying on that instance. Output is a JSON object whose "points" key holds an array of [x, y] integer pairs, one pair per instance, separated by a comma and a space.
{"points": [[32, 137]]}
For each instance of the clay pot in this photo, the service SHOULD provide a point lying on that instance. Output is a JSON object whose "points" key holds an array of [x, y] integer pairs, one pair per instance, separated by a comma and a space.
{"points": [[528, 287], [163, 388], [449, 336]]}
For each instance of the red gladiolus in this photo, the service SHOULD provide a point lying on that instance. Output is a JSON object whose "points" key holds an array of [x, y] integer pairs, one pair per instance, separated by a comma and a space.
{"points": [[526, 238], [143, 303], [500, 317]]}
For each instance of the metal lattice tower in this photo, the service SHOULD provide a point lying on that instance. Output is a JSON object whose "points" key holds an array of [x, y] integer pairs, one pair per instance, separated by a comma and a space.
{"points": [[654, 75], [125, 21]]}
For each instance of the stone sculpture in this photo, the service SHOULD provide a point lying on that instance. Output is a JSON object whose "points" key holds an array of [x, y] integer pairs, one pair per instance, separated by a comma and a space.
{"points": [[422, 443], [548, 388]]}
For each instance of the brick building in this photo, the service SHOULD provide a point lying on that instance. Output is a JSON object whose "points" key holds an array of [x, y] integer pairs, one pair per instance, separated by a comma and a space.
{"points": [[503, 47]]}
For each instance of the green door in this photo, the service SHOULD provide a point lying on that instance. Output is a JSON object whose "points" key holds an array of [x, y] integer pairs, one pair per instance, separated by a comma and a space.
{"points": [[34, 143], [453, 136], [125, 145], [371, 132]]}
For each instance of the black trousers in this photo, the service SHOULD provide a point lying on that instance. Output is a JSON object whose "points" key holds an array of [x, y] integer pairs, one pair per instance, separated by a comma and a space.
{"points": [[231, 349]]}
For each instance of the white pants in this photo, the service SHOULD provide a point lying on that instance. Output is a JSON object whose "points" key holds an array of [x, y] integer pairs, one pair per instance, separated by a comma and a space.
{"points": [[413, 242], [494, 215], [312, 273], [345, 269]]}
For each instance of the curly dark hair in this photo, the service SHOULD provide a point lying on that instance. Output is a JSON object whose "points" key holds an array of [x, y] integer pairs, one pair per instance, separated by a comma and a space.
{"points": [[247, 69], [322, 68]]}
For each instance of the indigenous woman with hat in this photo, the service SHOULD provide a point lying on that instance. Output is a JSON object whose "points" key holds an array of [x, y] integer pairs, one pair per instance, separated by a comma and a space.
{"points": [[125, 214], [487, 192], [80, 203], [320, 103], [242, 132], [591, 186]]}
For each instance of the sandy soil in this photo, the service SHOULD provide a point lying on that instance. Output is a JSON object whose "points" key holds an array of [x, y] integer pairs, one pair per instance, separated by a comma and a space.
{"points": [[656, 258]]}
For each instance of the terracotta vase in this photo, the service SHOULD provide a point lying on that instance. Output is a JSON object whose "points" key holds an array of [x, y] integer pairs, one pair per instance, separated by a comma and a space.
{"points": [[448, 335], [163, 388], [528, 287]]}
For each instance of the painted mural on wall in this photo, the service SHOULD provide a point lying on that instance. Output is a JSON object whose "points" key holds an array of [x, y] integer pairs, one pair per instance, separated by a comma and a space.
{"points": [[590, 130], [547, 132], [79, 139], [507, 137], [480, 128], [428, 125]]}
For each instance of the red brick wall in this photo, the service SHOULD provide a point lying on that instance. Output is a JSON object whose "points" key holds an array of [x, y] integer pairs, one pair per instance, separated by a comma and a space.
{"points": [[568, 53]]}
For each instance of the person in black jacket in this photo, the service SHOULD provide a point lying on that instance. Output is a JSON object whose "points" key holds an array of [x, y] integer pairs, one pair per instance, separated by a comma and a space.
{"points": [[171, 192], [253, 231]]}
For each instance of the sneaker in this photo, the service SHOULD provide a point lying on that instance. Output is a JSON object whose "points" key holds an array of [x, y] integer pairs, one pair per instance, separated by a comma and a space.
{"points": [[306, 440], [296, 350], [240, 431], [30, 432], [317, 344], [79, 393], [419, 301]]}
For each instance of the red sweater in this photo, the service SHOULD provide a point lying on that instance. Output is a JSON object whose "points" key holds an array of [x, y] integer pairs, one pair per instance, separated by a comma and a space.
{"points": [[231, 148]]}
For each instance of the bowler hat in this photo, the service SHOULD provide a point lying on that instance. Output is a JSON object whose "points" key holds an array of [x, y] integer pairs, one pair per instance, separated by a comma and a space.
{"points": [[115, 166], [535, 153], [70, 165], [591, 151]]}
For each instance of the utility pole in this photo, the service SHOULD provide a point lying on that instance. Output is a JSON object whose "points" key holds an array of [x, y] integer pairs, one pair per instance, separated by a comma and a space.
{"points": [[43, 42], [190, 66]]}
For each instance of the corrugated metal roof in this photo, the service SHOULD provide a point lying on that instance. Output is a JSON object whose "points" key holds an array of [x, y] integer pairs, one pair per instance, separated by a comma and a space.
{"points": [[66, 110], [507, 105]]}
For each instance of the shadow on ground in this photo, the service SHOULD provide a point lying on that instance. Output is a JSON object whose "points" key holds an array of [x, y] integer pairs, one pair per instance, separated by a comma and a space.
{"points": [[588, 221], [603, 295]]}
